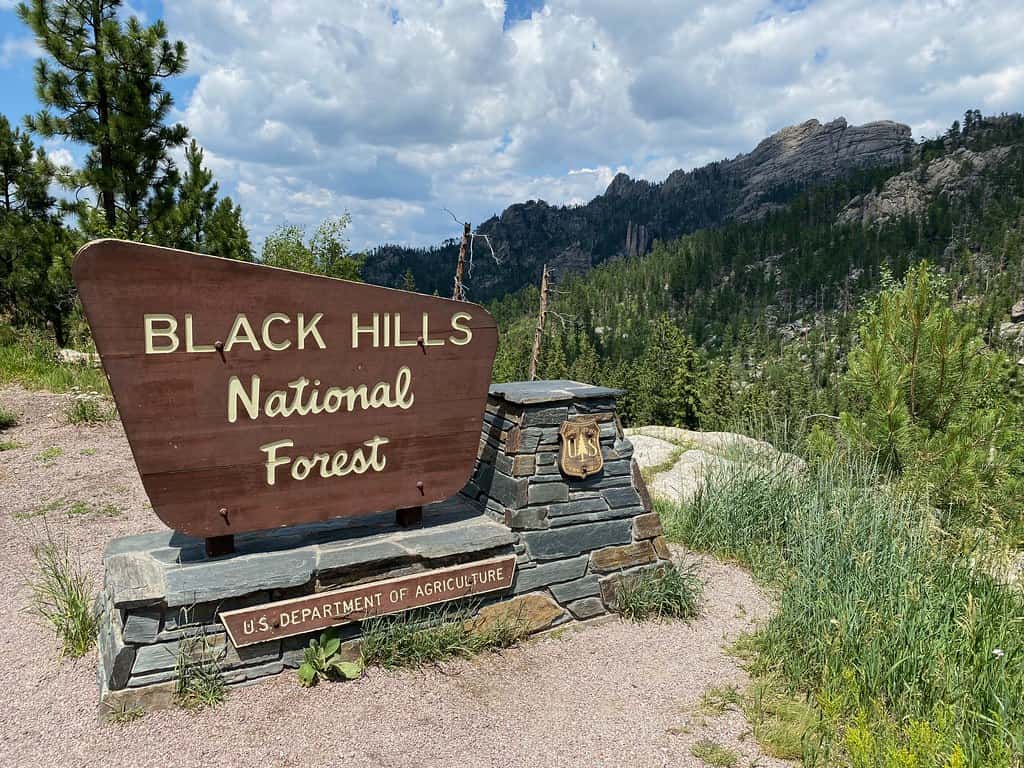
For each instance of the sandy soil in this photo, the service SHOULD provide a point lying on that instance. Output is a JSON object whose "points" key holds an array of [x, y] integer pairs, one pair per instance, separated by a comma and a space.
{"points": [[617, 694]]}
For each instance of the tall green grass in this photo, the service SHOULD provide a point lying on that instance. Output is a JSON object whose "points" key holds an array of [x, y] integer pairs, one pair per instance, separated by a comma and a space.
{"points": [[912, 654], [30, 359]]}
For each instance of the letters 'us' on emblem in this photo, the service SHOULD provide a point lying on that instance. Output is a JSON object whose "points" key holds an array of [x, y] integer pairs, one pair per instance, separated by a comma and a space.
{"points": [[580, 454]]}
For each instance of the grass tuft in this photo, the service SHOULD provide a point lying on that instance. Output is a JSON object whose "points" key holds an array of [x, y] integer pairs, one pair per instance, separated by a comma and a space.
{"points": [[431, 636], [62, 596], [666, 592], [199, 680], [8, 418], [713, 753], [9, 445]]}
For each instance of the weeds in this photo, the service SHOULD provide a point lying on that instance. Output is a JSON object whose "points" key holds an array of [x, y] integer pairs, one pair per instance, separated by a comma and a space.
{"points": [[431, 636], [125, 714], [713, 753], [667, 592], [62, 596], [87, 407], [199, 681], [322, 660], [889, 629], [8, 418], [49, 455], [31, 360], [9, 445]]}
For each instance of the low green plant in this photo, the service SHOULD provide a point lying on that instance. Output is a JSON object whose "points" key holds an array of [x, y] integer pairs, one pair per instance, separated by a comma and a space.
{"points": [[322, 660], [32, 361], [667, 592], [713, 753], [49, 455], [780, 719], [8, 418], [430, 636], [9, 445], [83, 509], [719, 699], [124, 714], [62, 596], [199, 682], [87, 407], [88, 452]]}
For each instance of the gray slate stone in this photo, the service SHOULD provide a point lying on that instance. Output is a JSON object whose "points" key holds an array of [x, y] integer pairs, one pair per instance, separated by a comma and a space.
{"points": [[535, 392], [115, 658], [576, 507], [587, 586], [574, 540], [545, 417], [587, 608], [548, 493], [237, 676], [173, 569], [142, 625], [593, 517], [621, 497], [549, 573], [528, 519]]}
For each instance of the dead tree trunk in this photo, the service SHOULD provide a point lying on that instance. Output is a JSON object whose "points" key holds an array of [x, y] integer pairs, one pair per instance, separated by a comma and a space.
{"points": [[539, 333], [458, 293]]}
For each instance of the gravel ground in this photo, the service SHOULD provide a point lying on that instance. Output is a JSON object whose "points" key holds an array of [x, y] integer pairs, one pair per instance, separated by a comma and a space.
{"points": [[614, 694]]}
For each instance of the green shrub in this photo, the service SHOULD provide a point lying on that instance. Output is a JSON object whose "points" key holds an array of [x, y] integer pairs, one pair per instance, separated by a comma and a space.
{"points": [[87, 408], [879, 617], [430, 636], [666, 592], [322, 661], [63, 597]]}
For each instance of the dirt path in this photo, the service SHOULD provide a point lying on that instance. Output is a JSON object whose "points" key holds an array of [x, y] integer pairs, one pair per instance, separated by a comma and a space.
{"points": [[617, 694]]}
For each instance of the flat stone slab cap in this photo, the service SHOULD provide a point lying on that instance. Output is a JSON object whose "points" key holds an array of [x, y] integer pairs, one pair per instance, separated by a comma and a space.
{"points": [[555, 391], [172, 568]]}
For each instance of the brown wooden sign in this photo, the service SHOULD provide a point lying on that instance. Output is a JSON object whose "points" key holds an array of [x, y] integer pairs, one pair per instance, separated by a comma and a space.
{"points": [[300, 615], [256, 397], [580, 455]]}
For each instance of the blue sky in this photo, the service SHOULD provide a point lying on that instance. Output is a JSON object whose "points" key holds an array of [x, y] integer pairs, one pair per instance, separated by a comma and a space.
{"points": [[393, 109]]}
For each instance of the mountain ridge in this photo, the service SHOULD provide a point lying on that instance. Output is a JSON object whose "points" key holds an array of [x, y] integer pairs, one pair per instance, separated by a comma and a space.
{"points": [[632, 213]]}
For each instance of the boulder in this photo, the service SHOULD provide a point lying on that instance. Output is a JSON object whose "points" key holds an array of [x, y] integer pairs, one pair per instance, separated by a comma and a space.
{"points": [[1017, 312]]}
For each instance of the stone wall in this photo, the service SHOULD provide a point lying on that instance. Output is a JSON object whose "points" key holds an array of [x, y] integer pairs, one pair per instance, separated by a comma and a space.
{"points": [[575, 541]]}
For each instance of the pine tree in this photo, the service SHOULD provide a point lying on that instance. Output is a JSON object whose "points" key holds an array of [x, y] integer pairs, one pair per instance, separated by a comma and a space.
{"points": [[926, 396], [408, 281], [197, 221], [226, 235], [101, 85], [35, 248]]}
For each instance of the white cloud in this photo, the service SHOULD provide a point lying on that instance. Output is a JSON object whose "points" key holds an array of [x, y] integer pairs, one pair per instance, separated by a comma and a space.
{"points": [[311, 108], [13, 49]]}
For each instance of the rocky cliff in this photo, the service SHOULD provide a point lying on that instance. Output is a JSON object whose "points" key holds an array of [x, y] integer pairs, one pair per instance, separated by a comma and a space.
{"points": [[633, 213]]}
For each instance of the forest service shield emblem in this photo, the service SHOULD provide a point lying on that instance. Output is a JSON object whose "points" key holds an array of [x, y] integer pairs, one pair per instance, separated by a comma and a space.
{"points": [[580, 454]]}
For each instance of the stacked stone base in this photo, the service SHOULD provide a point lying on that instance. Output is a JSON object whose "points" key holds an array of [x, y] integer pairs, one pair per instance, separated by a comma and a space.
{"points": [[576, 539], [575, 542]]}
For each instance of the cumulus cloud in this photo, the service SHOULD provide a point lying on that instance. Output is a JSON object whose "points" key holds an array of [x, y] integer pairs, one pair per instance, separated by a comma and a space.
{"points": [[393, 110], [13, 49]]}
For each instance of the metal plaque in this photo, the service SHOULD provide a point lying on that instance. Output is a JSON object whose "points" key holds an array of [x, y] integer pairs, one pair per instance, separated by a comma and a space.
{"points": [[580, 454], [271, 621]]}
